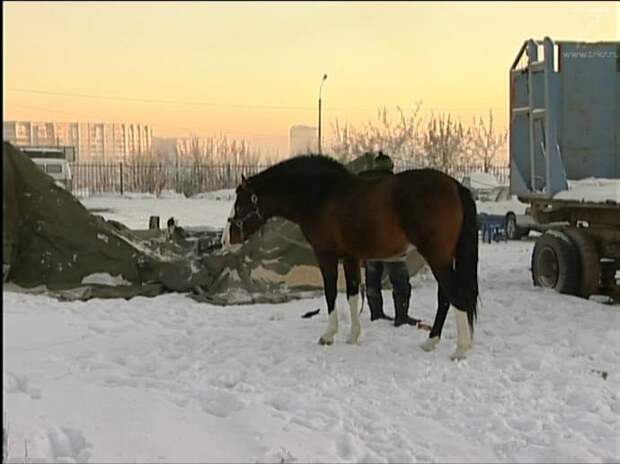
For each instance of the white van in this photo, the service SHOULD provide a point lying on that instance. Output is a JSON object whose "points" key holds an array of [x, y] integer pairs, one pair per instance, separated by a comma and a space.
{"points": [[53, 163], [58, 169]]}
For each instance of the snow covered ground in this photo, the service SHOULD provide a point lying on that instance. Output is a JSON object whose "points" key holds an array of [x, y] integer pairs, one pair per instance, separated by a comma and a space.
{"points": [[172, 380], [133, 210]]}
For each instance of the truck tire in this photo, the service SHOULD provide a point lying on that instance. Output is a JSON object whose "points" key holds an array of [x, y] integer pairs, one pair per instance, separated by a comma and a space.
{"points": [[609, 284], [555, 263], [590, 261], [513, 231]]}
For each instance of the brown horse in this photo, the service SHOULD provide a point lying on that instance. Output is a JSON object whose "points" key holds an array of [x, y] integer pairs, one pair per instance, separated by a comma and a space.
{"points": [[350, 218]]}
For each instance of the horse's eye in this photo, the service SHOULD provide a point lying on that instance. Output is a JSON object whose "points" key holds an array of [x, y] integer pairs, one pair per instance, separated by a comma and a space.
{"points": [[254, 198]]}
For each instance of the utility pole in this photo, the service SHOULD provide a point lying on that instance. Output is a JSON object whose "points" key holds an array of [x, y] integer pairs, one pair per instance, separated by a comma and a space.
{"points": [[320, 90]]}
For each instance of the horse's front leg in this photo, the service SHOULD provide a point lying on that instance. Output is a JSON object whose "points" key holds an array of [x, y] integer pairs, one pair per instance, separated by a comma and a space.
{"points": [[352, 274], [329, 271]]}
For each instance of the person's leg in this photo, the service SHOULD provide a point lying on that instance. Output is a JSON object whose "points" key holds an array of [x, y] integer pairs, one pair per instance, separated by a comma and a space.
{"points": [[374, 273], [401, 292]]}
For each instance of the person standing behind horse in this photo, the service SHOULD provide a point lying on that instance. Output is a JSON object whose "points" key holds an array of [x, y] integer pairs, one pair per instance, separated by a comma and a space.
{"points": [[382, 165]]}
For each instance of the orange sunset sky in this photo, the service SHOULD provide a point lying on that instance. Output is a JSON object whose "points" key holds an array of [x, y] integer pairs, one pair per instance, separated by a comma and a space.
{"points": [[252, 69]]}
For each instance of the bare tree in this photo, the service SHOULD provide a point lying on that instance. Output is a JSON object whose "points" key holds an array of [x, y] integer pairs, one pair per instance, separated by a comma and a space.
{"points": [[445, 142], [400, 137], [145, 172], [216, 162], [486, 141], [439, 140]]}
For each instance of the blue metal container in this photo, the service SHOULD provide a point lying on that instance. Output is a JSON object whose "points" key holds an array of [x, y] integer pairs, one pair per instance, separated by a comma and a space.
{"points": [[564, 115]]}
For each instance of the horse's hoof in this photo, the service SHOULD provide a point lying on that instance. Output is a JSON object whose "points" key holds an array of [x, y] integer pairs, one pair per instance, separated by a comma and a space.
{"points": [[459, 354], [352, 341], [323, 341], [430, 344]]}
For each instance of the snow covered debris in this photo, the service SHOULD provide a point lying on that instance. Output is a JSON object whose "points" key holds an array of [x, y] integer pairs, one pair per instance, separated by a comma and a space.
{"points": [[104, 278]]}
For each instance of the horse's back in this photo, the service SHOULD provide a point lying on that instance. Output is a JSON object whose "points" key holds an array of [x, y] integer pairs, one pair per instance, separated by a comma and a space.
{"points": [[381, 217], [427, 178]]}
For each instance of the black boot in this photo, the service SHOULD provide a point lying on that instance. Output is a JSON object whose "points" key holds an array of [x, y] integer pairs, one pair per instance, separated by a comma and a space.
{"points": [[375, 303], [401, 308]]}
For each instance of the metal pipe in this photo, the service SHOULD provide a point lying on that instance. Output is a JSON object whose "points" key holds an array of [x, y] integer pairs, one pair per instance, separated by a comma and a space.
{"points": [[320, 90]]}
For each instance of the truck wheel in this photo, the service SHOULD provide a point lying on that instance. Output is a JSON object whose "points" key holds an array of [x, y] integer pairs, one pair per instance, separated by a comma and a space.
{"points": [[609, 269], [590, 260], [513, 231], [555, 263]]}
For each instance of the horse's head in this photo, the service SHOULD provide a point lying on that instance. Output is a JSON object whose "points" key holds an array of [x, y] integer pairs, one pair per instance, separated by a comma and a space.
{"points": [[245, 217]]}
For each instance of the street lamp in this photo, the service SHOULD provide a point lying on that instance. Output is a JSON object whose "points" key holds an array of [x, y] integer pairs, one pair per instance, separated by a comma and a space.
{"points": [[320, 90]]}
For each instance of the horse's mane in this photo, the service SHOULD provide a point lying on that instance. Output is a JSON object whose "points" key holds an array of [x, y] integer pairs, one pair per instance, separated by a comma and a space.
{"points": [[303, 166], [310, 179], [308, 164]]}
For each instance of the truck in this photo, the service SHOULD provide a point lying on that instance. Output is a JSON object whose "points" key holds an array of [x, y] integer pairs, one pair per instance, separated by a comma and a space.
{"points": [[564, 161], [54, 161]]}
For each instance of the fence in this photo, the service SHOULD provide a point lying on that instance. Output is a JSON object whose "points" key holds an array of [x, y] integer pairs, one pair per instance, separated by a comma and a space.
{"points": [[189, 180], [120, 178]]}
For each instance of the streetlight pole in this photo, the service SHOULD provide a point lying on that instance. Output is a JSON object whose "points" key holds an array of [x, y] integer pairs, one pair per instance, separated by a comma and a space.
{"points": [[320, 90]]}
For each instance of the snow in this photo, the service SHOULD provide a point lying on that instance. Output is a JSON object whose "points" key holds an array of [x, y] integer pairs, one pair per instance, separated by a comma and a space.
{"points": [[134, 210], [169, 379], [481, 180], [226, 194], [103, 278], [103, 237], [592, 190]]}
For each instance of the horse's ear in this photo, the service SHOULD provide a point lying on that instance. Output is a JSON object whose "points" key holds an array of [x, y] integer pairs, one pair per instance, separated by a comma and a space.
{"points": [[243, 179]]}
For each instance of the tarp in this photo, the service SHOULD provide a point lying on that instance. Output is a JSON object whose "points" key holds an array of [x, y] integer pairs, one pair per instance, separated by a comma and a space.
{"points": [[50, 239]]}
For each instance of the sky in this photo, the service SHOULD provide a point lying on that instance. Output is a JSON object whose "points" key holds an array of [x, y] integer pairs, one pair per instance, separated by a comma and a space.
{"points": [[251, 70]]}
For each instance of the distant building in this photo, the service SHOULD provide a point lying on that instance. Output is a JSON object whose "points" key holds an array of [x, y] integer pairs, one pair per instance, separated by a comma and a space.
{"points": [[303, 140], [93, 141]]}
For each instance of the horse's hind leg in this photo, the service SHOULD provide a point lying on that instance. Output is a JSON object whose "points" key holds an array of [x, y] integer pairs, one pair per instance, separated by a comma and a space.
{"points": [[447, 291], [329, 271], [352, 274], [443, 305], [463, 334]]}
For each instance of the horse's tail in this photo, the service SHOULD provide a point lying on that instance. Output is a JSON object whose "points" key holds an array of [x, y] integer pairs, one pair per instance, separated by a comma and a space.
{"points": [[466, 259]]}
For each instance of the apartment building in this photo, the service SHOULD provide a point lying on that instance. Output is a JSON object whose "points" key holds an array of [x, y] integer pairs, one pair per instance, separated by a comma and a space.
{"points": [[93, 141]]}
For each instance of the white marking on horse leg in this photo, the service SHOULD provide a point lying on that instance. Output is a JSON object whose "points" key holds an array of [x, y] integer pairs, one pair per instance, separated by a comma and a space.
{"points": [[356, 327], [226, 233], [463, 335], [226, 236], [332, 328], [430, 344]]}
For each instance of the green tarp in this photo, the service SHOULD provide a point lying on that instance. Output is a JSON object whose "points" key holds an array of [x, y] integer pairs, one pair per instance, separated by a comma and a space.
{"points": [[50, 239]]}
